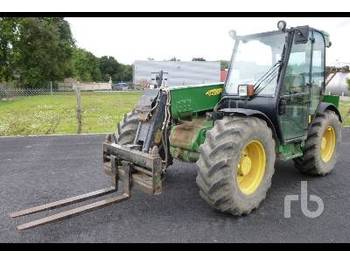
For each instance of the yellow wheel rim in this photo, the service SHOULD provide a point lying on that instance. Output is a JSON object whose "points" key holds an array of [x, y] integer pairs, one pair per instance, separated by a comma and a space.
{"points": [[328, 142], [251, 167]]}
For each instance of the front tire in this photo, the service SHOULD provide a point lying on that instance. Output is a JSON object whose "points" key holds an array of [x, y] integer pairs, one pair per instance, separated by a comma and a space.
{"points": [[127, 128], [236, 164], [320, 151], [124, 135]]}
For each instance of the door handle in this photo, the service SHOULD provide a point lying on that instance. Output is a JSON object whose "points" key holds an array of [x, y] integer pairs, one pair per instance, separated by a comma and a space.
{"points": [[282, 106]]}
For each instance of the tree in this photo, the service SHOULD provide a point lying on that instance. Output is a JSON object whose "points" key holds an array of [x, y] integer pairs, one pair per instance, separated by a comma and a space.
{"points": [[126, 73], [110, 68], [348, 82], [198, 59], [174, 59], [8, 35], [36, 50], [85, 66], [224, 64]]}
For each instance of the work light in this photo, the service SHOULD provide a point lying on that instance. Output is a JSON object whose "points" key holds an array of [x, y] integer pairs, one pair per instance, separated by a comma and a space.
{"points": [[281, 25]]}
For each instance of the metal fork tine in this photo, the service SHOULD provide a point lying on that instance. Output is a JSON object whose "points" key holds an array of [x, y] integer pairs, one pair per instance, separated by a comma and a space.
{"points": [[72, 212], [63, 202]]}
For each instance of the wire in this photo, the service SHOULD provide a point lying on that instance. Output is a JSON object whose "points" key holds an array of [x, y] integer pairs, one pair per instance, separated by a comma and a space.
{"points": [[267, 77], [267, 74], [165, 127], [267, 82]]}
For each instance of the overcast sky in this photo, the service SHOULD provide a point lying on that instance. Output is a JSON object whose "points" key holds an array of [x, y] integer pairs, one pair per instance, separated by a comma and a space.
{"points": [[130, 39]]}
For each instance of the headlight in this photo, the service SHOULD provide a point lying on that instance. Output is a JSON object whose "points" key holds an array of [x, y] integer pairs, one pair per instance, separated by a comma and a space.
{"points": [[246, 90]]}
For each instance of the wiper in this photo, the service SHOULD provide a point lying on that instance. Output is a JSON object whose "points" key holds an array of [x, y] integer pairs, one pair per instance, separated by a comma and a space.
{"points": [[266, 78]]}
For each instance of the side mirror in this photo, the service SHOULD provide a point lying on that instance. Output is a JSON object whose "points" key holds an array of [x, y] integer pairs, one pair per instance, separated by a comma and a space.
{"points": [[301, 35], [233, 34], [282, 25]]}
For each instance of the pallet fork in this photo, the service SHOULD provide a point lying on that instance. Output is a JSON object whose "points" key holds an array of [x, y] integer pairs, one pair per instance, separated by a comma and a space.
{"points": [[123, 164], [138, 163]]}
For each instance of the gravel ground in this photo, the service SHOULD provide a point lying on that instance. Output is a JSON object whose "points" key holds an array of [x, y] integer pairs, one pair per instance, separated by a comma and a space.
{"points": [[36, 170]]}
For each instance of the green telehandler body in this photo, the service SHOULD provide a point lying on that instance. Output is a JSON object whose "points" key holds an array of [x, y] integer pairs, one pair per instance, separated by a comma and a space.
{"points": [[272, 106]]}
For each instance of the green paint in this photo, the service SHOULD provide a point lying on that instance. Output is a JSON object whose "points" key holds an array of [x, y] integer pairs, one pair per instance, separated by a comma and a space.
{"points": [[185, 155], [293, 150], [289, 151], [186, 138], [331, 99], [186, 103], [188, 100]]}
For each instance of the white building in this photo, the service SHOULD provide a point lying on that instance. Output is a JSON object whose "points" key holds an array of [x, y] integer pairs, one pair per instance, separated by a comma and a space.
{"points": [[179, 72], [338, 85]]}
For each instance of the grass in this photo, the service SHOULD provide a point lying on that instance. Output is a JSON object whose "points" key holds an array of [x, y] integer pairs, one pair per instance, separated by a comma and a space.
{"points": [[345, 111], [37, 115]]}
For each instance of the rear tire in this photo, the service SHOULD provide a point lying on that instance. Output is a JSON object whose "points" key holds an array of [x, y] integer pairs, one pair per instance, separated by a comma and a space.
{"points": [[220, 164], [317, 160]]}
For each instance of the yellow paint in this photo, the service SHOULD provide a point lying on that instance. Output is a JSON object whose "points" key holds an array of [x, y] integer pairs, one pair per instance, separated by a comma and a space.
{"points": [[328, 144], [245, 165], [214, 92], [251, 167]]}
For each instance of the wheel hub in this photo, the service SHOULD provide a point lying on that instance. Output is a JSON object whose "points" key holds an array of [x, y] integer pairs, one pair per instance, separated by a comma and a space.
{"points": [[323, 143], [251, 167], [245, 165], [328, 143]]}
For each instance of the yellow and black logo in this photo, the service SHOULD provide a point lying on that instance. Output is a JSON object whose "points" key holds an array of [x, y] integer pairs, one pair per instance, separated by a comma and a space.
{"points": [[214, 92]]}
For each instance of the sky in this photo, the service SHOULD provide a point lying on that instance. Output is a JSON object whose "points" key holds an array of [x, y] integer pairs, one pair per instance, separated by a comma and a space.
{"points": [[130, 39]]}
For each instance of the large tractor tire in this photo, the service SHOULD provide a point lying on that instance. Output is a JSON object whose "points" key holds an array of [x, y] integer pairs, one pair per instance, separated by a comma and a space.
{"points": [[236, 164], [127, 128], [125, 134], [320, 151]]}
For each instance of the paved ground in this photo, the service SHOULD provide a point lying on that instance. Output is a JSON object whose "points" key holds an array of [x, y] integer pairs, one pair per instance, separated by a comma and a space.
{"points": [[35, 170]]}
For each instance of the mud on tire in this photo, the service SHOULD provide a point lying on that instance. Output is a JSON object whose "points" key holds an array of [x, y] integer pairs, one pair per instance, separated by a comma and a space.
{"points": [[217, 164], [311, 163]]}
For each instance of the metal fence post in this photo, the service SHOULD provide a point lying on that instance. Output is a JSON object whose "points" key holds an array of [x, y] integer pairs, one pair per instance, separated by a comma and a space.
{"points": [[77, 93], [51, 87]]}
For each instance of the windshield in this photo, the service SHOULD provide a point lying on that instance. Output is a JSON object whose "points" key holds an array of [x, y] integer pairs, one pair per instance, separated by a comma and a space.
{"points": [[253, 58]]}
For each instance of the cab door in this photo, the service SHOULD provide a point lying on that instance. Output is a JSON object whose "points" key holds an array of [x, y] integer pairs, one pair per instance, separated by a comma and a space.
{"points": [[294, 99], [317, 70]]}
